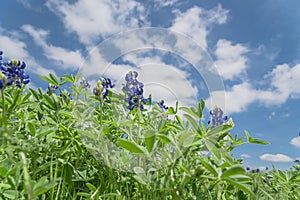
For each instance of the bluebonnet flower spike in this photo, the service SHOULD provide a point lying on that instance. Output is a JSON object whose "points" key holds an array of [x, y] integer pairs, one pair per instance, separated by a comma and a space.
{"points": [[217, 118], [133, 90], [101, 90], [12, 73], [162, 106]]}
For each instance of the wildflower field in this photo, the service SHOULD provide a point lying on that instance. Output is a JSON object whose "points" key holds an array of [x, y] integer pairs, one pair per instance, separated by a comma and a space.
{"points": [[71, 141]]}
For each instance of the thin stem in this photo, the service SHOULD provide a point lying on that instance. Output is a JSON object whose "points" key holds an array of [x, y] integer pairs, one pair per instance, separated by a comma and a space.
{"points": [[4, 122]]}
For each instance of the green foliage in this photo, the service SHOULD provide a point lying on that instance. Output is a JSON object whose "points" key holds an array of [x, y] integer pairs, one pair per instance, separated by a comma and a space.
{"points": [[50, 147]]}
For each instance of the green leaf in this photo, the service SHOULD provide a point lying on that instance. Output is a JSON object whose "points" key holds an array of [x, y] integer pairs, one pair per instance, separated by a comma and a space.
{"points": [[179, 121], [210, 167], [34, 93], [54, 79], [190, 111], [171, 111], [31, 128], [140, 175], [192, 121], [83, 194], [49, 101], [241, 186], [164, 138], [131, 146], [66, 114], [11, 194], [211, 146], [42, 186], [49, 80], [218, 131], [201, 106], [254, 140], [15, 101], [91, 187], [150, 139], [233, 170]]}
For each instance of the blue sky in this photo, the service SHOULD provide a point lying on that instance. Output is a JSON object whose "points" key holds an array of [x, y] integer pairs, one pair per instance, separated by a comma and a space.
{"points": [[253, 45]]}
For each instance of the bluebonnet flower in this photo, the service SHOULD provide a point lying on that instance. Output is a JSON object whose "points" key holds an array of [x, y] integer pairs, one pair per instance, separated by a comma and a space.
{"points": [[101, 90], [133, 90], [2, 80], [65, 94], [217, 118], [85, 84], [51, 88], [12, 73], [162, 106], [1, 53]]}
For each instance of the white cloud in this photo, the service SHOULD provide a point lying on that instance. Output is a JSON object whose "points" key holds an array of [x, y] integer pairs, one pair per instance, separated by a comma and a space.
{"points": [[245, 155], [196, 22], [231, 62], [90, 19], [158, 4], [15, 48], [275, 158], [283, 85], [65, 58], [237, 98], [286, 80], [296, 142]]}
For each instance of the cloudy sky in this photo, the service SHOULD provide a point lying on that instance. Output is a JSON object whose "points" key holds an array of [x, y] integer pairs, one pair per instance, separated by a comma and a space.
{"points": [[241, 55]]}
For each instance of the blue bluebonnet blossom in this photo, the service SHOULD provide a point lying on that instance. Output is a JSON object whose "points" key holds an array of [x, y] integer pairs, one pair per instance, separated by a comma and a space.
{"points": [[52, 88], [65, 94], [133, 90], [162, 106], [85, 84], [217, 118], [12, 73], [101, 89]]}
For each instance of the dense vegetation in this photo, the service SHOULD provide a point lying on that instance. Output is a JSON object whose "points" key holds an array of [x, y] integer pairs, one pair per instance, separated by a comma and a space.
{"points": [[67, 142]]}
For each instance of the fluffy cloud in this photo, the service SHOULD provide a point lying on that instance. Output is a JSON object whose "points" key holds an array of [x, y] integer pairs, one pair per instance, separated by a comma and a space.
{"points": [[275, 158], [286, 80], [15, 48], [231, 61], [196, 22], [65, 58], [90, 19], [159, 4], [283, 81], [295, 142], [245, 155], [237, 98]]}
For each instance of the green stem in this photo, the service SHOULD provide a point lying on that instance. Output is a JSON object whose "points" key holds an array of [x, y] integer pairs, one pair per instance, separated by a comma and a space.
{"points": [[4, 121], [3, 104]]}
